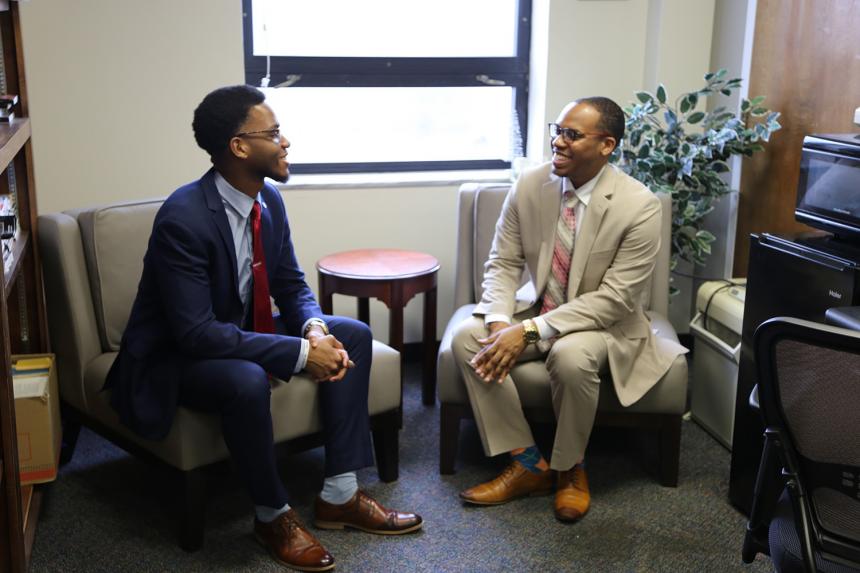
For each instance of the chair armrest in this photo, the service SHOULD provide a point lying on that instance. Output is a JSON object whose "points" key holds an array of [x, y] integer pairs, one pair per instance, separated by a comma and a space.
{"points": [[844, 316]]}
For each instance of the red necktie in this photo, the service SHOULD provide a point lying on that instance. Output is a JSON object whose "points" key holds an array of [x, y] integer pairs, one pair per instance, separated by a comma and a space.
{"points": [[263, 321]]}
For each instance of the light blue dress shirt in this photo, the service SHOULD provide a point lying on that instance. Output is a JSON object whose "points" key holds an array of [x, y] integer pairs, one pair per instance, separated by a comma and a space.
{"points": [[238, 207]]}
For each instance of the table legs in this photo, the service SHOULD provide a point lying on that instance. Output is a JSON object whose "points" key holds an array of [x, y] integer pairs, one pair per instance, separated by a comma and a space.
{"points": [[428, 383], [394, 299], [325, 294], [364, 310]]}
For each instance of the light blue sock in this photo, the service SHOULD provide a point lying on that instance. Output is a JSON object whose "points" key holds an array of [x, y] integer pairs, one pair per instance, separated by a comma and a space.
{"points": [[269, 514], [339, 489]]}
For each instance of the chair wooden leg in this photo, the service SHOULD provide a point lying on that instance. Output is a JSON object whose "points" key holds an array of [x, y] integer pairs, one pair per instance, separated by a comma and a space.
{"points": [[670, 450], [449, 437], [192, 508], [386, 447], [71, 430]]}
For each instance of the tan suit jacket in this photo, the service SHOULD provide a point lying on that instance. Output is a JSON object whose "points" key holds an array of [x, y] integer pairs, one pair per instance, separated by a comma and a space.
{"points": [[610, 274]]}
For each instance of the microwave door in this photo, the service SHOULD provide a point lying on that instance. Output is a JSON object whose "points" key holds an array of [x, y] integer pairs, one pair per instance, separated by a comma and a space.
{"points": [[828, 195]]}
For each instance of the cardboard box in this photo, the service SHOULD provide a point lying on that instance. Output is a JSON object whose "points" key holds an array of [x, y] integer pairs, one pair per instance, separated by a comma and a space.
{"points": [[37, 417]]}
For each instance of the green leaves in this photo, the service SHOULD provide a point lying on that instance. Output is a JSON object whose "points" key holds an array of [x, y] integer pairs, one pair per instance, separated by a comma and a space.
{"points": [[696, 117], [644, 97], [659, 151]]}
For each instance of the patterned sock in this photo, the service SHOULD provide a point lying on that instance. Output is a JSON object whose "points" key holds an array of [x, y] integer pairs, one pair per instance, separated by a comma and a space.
{"points": [[530, 458], [270, 514], [339, 489]]}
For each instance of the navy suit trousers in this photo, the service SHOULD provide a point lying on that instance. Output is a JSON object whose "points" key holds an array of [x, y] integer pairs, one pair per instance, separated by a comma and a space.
{"points": [[239, 391]]}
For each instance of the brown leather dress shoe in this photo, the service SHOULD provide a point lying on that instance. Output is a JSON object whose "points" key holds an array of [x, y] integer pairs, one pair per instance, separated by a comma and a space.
{"points": [[572, 499], [365, 513], [515, 481], [292, 545]]}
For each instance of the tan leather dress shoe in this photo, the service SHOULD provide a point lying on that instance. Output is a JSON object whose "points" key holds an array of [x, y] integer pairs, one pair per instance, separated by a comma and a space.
{"points": [[365, 513], [290, 544], [572, 499], [515, 481]]}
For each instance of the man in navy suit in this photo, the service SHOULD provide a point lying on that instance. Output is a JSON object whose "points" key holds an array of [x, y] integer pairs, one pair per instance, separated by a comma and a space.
{"points": [[197, 335]]}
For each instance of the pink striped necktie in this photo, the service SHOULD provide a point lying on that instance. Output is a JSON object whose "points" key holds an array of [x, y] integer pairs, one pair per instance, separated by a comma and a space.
{"points": [[555, 293]]}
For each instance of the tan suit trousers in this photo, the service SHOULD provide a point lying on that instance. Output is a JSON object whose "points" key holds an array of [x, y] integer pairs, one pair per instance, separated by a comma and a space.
{"points": [[574, 364]]}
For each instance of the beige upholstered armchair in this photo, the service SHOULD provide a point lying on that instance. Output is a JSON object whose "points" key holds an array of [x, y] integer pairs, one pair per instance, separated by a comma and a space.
{"points": [[92, 261], [660, 409]]}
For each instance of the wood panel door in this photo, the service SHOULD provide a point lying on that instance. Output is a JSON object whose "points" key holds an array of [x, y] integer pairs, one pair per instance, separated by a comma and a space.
{"points": [[806, 61]]}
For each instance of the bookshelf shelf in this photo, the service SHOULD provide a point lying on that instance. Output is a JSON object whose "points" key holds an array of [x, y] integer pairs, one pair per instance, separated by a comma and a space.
{"points": [[19, 250], [13, 136]]}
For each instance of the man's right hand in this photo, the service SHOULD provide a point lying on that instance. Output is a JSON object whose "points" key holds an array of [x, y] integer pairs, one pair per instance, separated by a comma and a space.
{"points": [[327, 359], [494, 327]]}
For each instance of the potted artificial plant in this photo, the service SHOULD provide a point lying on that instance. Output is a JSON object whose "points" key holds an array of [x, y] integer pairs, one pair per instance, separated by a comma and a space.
{"points": [[680, 150]]}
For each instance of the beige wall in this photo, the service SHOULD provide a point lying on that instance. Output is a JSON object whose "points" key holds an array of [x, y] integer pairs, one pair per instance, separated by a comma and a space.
{"points": [[614, 48], [112, 84]]}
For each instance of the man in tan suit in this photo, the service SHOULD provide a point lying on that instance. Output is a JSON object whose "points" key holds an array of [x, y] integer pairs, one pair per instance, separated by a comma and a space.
{"points": [[588, 234]]}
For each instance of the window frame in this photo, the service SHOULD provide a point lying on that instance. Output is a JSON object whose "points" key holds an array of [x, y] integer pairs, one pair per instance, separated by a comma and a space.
{"points": [[401, 72]]}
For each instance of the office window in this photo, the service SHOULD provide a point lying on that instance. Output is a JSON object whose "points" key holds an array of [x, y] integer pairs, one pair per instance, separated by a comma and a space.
{"points": [[393, 85]]}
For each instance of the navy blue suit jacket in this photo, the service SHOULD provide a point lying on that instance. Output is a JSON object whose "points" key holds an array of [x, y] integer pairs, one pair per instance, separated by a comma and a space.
{"points": [[188, 305]]}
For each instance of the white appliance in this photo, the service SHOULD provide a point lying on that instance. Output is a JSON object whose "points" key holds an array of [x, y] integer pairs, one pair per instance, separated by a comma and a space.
{"points": [[716, 330]]}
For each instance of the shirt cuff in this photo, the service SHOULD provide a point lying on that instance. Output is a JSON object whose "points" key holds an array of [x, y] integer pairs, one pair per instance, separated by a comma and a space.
{"points": [[496, 318], [303, 356], [546, 331]]}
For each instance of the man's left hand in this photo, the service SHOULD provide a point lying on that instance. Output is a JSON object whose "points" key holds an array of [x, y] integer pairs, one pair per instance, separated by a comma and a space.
{"points": [[500, 353], [314, 334]]}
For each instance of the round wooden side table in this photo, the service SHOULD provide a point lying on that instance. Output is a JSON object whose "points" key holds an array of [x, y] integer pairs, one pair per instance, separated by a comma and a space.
{"points": [[394, 277]]}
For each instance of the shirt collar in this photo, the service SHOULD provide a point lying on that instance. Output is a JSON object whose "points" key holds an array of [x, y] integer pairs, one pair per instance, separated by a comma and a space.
{"points": [[583, 192], [235, 199]]}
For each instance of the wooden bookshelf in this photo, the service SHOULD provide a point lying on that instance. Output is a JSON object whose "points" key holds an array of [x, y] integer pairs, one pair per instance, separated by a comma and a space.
{"points": [[22, 306], [19, 250], [13, 136]]}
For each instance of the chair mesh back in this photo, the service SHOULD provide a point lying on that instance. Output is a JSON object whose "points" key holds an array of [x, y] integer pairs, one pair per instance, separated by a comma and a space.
{"points": [[819, 391]]}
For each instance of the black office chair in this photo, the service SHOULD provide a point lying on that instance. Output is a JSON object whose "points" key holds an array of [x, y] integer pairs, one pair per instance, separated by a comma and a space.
{"points": [[807, 517]]}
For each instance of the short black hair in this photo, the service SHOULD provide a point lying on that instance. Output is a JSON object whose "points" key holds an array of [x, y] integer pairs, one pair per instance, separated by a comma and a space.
{"points": [[611, 116], [221, 113]]}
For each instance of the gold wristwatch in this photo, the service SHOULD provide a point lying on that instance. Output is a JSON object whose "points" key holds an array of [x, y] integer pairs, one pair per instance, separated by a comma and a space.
{"points": [[316, 322], [530, 331]]}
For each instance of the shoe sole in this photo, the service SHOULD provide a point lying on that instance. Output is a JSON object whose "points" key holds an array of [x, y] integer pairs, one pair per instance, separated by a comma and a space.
{"points": [[504, 501], [569, 520], [290, 565], [342, 525]]}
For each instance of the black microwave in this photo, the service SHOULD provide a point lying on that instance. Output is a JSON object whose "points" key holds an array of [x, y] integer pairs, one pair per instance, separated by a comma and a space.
{"points": [[828, 191]]}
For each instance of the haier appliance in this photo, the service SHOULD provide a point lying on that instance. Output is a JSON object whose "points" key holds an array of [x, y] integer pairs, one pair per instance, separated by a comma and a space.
{"points": [[800, 276]]}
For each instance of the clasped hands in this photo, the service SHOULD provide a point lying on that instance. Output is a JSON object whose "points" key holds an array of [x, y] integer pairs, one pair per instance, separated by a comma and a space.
{"points": [[328, 360], [500, 351]]}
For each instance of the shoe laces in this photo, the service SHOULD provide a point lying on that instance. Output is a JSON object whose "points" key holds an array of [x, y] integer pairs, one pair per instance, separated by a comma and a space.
{"points": [[509, 471], [288, 526]]}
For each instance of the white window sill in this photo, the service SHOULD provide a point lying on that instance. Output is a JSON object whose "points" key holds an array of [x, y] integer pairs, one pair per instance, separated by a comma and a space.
{"points": [[392, 179]]}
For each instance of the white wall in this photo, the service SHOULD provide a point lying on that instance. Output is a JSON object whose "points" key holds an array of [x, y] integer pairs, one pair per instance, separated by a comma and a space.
{"points": [[113, 83]]}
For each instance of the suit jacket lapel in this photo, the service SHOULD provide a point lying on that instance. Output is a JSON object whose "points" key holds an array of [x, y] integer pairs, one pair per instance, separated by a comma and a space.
{"points": [[600, 201], [549, 200], [219, 215], [269, 248]]}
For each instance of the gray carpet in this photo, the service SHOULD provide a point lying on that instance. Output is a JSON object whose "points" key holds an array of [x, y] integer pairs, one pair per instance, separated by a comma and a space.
{"points": [[107, 512]]}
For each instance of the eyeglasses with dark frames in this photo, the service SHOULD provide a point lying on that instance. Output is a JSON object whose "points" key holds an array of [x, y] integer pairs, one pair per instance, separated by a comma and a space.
{"points": [[572, 135], [273, 134]]}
